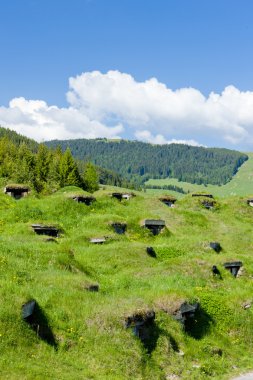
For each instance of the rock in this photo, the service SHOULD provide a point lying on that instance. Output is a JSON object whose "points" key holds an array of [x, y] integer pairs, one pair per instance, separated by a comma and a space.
{"points": [[215, 246], [119, 228], [217, 351], [92, 287], [246, 305], [97, 240], [151, 252]]}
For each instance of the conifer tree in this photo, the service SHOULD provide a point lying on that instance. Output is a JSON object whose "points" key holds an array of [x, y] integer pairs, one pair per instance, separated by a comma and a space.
{"points": [[90, 178], [54, 167], [68, 171], [42, 163], [8, 157], [25, 170]]}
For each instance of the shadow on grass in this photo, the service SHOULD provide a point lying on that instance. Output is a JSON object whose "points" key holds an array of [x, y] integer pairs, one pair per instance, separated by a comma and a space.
{"points": [[39, 323], [173, 342], [149, 335], [198, 326]]}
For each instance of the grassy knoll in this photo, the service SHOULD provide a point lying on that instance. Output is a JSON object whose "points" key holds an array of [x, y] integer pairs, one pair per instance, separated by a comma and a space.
{"points": [[90, 339], [241, 184]]}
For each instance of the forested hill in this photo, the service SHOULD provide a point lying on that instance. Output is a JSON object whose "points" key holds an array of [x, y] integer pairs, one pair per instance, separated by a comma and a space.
{"points": [[24, 160], [138, 161], [18, 139]]}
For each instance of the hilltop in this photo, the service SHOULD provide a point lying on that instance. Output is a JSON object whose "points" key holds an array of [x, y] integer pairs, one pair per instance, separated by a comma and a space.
{"points": [[88, 334]]}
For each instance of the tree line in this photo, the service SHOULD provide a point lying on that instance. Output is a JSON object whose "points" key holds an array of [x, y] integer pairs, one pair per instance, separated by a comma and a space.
{"points": [[45, 170], [137, 161], [178, 189], [23, 160]]}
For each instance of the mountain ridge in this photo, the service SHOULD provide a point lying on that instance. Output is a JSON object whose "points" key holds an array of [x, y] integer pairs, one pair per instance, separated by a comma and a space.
{"points": [[138, 161]]}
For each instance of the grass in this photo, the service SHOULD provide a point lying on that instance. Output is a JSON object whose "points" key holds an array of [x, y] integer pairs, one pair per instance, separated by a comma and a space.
{"points": [[240, 185], [91, 341]]}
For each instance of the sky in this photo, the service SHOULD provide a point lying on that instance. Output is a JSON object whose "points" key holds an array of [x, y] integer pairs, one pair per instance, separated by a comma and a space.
{"points": [[159, 71]]}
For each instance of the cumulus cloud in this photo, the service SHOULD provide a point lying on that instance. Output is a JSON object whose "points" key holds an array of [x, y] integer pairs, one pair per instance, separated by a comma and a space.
{"points": [[34, 118], [184, 114], [114, 104], [160, 139]]}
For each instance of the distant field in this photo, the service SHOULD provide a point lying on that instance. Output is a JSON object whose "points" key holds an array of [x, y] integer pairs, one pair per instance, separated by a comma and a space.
{"points": [[240, 185]]}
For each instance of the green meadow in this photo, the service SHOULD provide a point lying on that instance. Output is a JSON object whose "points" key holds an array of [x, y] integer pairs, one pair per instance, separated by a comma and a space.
{"points": [[241, 184], [88, 337]]}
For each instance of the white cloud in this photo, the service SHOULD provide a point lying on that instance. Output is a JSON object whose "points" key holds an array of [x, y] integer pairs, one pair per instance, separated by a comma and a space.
{"points": [[108, 105], [160, 139], [184, 114], [34, 118]]}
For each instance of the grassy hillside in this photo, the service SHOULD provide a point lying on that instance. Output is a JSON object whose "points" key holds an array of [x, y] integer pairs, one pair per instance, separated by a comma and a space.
{"points": [[88, 335], [241, 184]]}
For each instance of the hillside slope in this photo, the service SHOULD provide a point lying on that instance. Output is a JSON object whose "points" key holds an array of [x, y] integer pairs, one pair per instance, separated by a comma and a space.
{"points": [[18, 139], [241, 184], [89, 338], [138, 161]]}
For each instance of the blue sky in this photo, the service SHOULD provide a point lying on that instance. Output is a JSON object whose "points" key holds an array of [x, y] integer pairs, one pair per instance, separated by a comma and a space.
{"points": [[192, 47]]}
